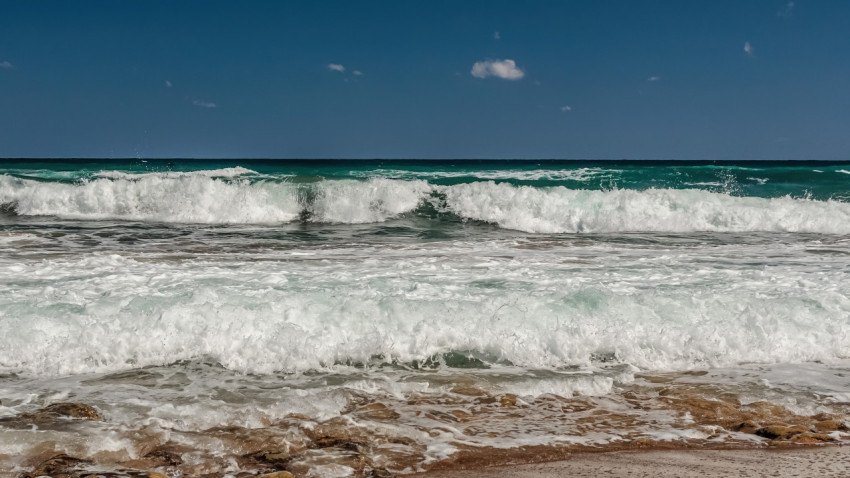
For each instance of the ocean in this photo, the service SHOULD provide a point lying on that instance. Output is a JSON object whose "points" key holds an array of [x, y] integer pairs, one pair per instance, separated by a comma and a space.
{"points": [[371, 318]]}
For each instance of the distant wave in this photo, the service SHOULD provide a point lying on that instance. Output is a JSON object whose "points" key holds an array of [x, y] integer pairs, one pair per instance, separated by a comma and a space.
{"points": [[209, 173], [227, 196], [579, 174]]}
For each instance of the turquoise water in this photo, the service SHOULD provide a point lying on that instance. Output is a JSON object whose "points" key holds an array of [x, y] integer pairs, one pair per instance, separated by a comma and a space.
{"points": [[815, 179]]}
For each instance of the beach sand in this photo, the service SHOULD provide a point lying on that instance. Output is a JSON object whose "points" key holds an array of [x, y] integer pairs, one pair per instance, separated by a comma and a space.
{"points": [[826, 461], [830, 461]]}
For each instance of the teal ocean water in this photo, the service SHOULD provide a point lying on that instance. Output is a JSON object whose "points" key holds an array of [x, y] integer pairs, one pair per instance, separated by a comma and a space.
{"points": [[426, 308]]}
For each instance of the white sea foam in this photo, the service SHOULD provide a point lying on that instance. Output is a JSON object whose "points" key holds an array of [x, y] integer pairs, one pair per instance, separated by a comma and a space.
{"points": [[376, 200], [559, 209], [537, 309], [204, 197], [187, 198]]}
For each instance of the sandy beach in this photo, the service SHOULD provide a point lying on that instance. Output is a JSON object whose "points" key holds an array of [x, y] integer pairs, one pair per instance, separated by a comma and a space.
{"points": [[832, 461]]}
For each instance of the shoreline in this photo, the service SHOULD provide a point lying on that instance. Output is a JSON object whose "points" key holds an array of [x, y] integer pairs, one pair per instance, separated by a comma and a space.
{"points": [[773, 461]]}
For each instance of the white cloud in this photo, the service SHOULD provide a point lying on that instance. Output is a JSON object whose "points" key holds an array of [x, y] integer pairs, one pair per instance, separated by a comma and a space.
{"points": [[6, 65], [566, 108], [336, 67], [357, 73], [653, 78], [787, 10], [505, 69], [168, 83], [748, 49], [497, 36], [204, 104]]}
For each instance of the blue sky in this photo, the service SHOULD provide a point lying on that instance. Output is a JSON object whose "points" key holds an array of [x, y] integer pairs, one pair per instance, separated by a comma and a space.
{"points": [[426, 79]]}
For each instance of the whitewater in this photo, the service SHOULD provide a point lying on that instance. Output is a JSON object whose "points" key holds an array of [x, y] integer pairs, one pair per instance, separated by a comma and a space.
{"points": [[422, 310], [224, 197]]}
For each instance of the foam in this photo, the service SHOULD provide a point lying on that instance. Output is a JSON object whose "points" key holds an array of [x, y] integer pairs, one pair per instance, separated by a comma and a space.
{"points": [[208, 197], [189, 198], [559, 210], [654, 310], [376, 200]]}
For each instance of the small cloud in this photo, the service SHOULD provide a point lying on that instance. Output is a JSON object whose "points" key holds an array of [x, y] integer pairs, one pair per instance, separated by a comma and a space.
{"points": [[336, 67], [496, 36], [566, 108], [6, 65], [787, 10], [653, 78], [204, 104], [748, 49], [357, 73], [505, 69], [168, 84]]}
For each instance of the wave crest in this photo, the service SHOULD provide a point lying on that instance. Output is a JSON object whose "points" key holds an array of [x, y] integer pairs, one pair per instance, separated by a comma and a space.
{"points": [[559, 210], [211, 197]]}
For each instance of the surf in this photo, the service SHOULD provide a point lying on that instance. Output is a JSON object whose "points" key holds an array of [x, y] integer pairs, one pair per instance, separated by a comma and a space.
{"points": [[243, 196]]}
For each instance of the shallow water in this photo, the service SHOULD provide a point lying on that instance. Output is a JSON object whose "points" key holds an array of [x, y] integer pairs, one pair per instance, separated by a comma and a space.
{"points": [[409, 315]]}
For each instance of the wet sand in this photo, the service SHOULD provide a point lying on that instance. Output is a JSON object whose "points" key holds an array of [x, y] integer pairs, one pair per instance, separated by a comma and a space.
{"points": [[826, 461]]}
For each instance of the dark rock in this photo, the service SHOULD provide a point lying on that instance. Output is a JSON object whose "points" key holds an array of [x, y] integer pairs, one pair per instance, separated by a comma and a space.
{"points": [[55, 466], [164, 456], [79, 411], [379, 473], [277, 459], [780, 432], [746, 427]]}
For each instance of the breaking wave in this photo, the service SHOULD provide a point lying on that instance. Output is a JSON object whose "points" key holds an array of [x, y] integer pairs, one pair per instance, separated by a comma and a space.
{"points": [[236, 196]]}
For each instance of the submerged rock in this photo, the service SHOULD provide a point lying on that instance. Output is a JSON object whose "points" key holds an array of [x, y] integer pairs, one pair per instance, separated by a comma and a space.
{"points": [[337, 433], [468, 391], [79, 411], [270, 457], [277, 474], [379, 473], [377, 411], [56, 466], [830, 425], [508, 400], [164, 456]]}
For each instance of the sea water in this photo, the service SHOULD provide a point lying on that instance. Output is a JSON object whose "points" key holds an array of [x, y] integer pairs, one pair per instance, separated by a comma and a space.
{"points": [[428, 309]]}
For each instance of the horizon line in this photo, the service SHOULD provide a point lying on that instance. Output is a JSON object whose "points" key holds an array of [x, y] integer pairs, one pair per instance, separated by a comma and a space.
{"points": [[267, 158]]}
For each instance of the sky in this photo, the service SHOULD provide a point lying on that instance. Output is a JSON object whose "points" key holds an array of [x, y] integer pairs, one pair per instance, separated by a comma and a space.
{"points": [[722, 80]]}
